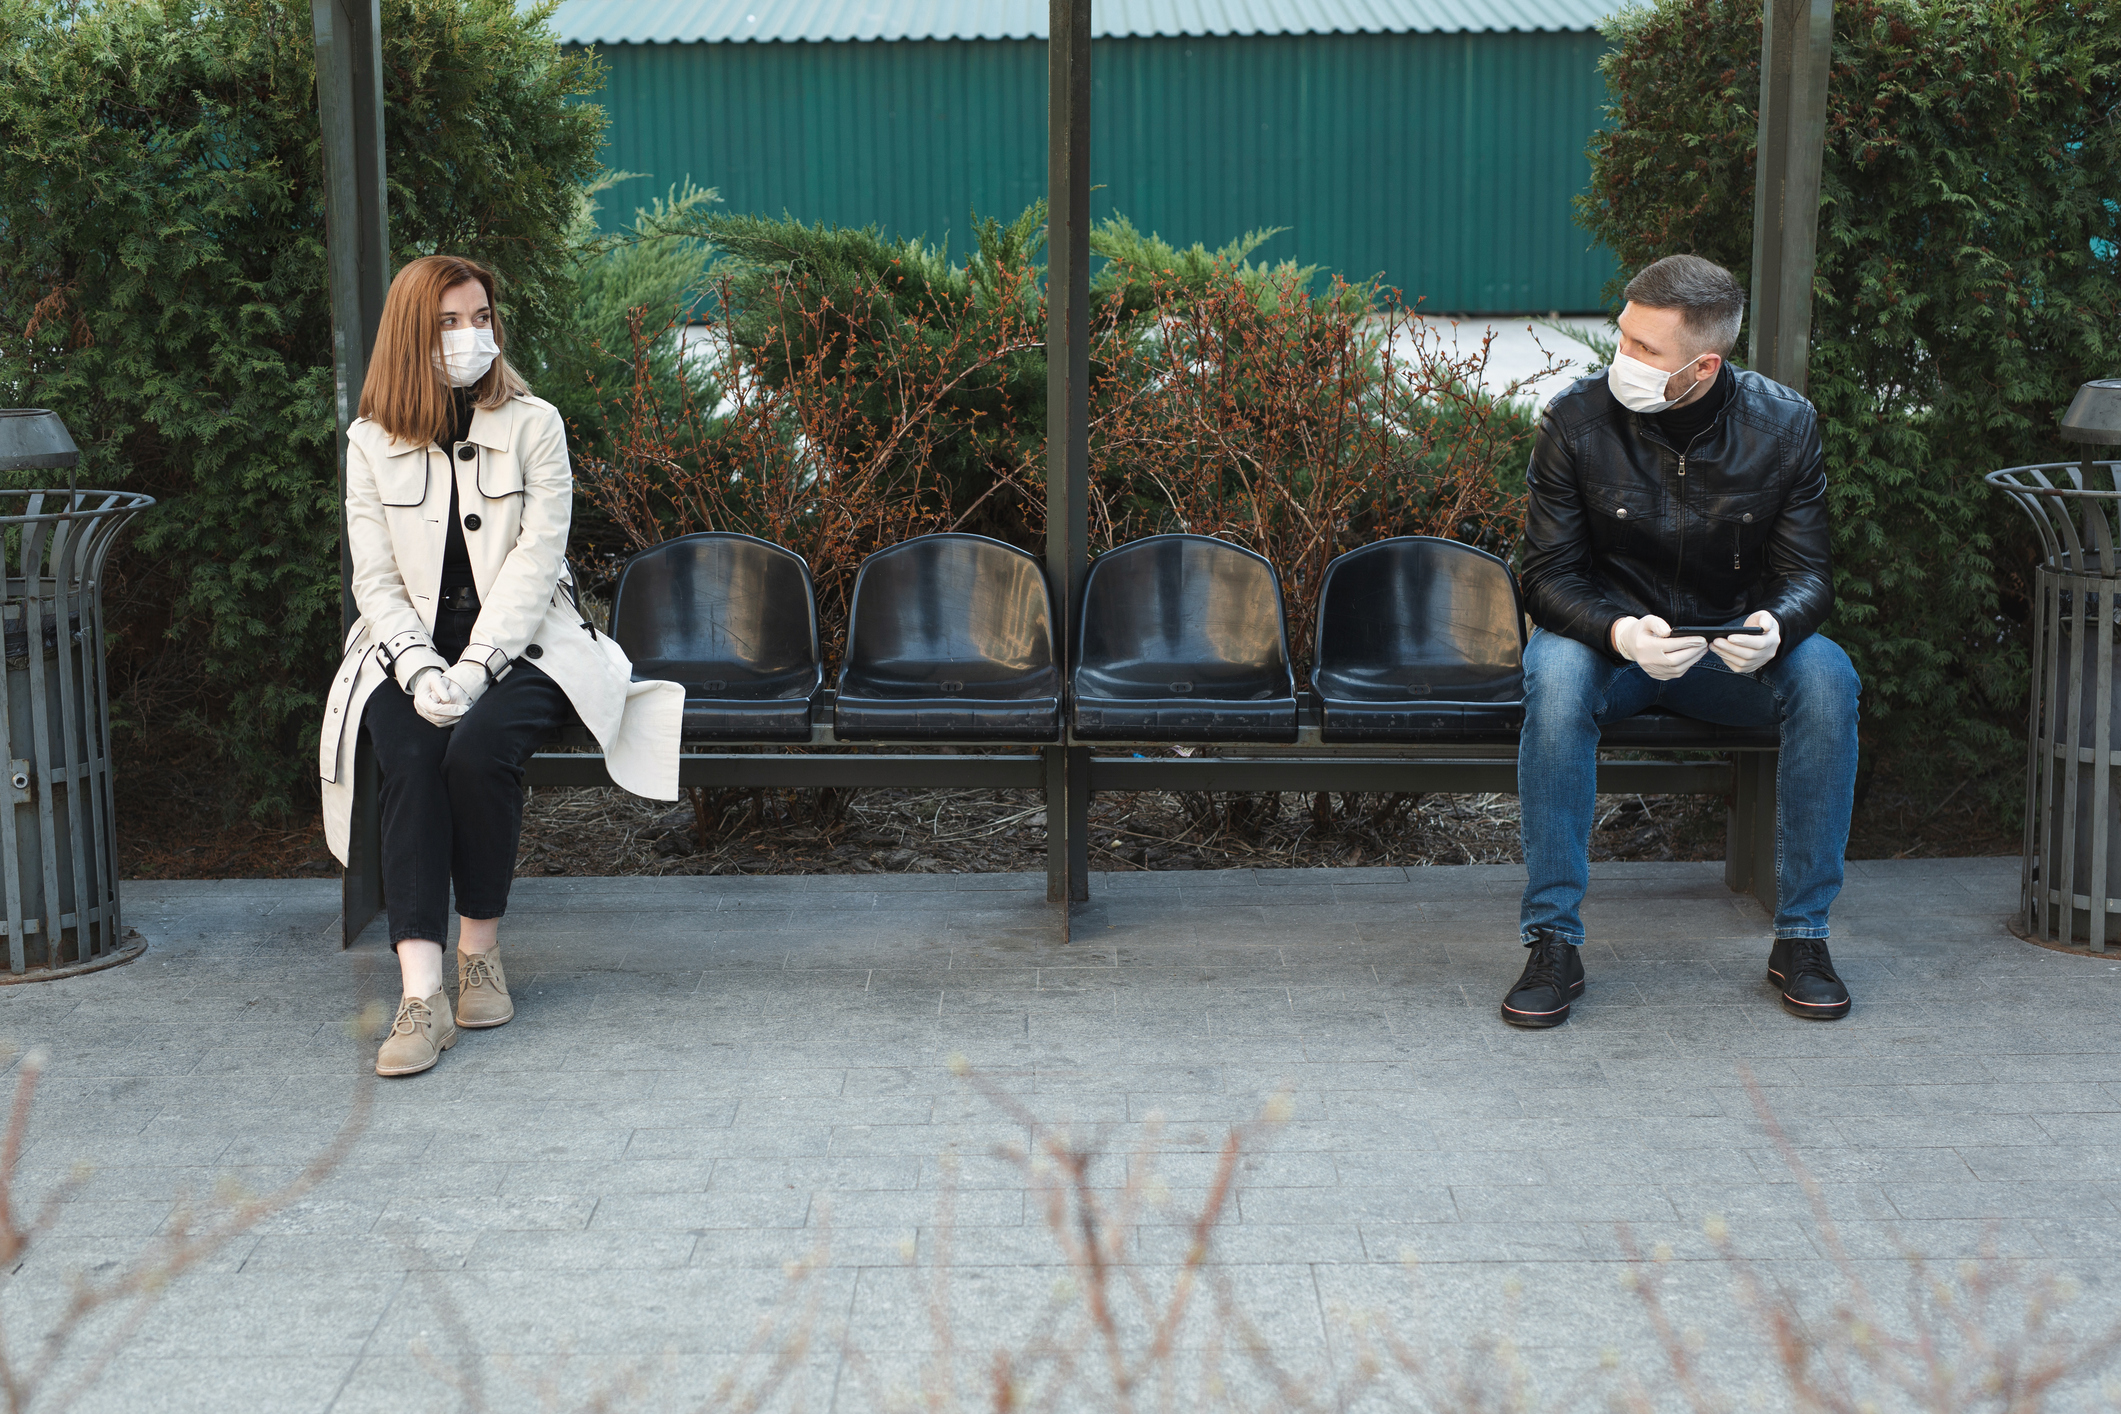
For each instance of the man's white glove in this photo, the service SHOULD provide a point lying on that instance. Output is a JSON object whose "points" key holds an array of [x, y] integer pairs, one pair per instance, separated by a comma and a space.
{"points": [[1649, 645], [438, 700], [1746, 652], [470, 679]]}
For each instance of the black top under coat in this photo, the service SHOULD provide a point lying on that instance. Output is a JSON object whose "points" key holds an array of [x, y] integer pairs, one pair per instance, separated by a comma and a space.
{"points": [[456, 555]]}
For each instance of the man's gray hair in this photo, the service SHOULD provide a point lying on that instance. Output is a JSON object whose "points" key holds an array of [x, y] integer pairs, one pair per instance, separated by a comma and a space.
{"points": [[1710, 303]]}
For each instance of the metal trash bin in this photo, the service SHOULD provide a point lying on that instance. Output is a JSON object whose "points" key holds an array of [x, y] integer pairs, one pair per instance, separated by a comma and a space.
{"points": [[58, 855], [2072, 856]]}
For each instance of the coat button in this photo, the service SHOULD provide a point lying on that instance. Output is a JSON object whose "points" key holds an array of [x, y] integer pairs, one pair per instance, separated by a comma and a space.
{"points": [[465, 454], [533, 651], [1622, 513], [1747, 517], [471, 522]]}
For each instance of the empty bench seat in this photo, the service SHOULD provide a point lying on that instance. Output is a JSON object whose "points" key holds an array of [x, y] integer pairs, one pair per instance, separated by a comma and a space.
{"points": [[1419, 639], [949, 638], [1183, 639], [734, 619]]}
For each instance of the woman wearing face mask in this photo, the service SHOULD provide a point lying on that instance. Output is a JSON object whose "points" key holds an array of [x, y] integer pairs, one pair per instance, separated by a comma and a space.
{"points": [[470, 650]]}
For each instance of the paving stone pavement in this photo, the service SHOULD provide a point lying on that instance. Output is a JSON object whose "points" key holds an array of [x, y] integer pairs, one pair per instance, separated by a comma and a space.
{"points": [[710, 1079]]}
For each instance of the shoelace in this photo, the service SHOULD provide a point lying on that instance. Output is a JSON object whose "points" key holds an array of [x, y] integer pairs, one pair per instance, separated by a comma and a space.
{"points": [[1545, 966], [412, 1014], [1808, 958], [478, 971]]}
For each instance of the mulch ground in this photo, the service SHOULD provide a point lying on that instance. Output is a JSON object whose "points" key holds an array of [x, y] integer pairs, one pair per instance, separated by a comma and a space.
{"points": [[167, 831]]}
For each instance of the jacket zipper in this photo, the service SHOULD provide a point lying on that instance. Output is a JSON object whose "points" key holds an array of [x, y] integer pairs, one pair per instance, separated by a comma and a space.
{"points": [[1679, 564]]}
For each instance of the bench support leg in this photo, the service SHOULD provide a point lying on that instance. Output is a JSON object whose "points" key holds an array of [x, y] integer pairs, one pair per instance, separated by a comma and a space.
{"points": [[1749, 831], [1067, 824]]}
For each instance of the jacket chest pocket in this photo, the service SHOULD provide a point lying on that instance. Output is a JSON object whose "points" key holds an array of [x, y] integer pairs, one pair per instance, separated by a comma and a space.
{"points": [[402, 481], [1618, 509], [499, 473], [1739, 525]]}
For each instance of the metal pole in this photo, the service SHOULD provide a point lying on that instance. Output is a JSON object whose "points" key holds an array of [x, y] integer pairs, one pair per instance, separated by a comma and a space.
{"points": [[349, 37], [1796, 55], [1067, 410]]}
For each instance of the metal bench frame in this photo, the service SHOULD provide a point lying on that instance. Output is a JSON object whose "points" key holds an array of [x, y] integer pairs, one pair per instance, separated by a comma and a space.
{"points": [[1069, 774]]}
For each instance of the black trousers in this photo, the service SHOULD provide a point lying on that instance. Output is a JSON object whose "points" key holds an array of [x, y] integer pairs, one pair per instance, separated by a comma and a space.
{"points": [[452, 797]]}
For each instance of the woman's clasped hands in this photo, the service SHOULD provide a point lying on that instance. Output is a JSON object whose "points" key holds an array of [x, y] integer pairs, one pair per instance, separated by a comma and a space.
{"points": [[439, 698]]}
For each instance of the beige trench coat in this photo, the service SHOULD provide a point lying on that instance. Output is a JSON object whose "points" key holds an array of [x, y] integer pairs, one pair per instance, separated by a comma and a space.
{"points": [[512, 474]]}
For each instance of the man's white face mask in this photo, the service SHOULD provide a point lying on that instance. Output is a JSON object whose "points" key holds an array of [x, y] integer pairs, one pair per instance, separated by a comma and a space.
{"points": [[465, 355], [1639, 387]]}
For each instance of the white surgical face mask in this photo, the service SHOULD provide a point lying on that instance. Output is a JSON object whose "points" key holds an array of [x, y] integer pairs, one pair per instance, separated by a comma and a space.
{"points": [[1639, 387], [465, 355]]}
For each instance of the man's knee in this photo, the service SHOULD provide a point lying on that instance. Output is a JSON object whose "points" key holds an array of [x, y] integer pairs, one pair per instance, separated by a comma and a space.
{"points": [[1819, 681], [1563, 678]]}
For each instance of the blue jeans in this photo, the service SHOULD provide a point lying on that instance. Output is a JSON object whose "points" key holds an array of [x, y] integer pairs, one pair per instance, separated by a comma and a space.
{"points": [[1571, 689]]}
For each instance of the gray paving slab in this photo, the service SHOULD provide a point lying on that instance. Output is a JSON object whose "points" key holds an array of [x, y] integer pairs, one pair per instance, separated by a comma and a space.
{"points": [[731, 1100]]}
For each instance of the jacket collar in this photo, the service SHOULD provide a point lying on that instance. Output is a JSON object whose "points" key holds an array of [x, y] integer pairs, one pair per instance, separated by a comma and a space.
{"points": [[1647, 425], [490, 428]]}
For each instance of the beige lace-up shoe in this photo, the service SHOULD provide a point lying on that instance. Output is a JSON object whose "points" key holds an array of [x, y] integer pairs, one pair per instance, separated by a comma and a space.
{"points": [[482, 990], [418, 1037]]}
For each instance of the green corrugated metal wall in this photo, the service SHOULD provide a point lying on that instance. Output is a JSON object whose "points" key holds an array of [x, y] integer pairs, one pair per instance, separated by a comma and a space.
{"points": [[1444, 162]]}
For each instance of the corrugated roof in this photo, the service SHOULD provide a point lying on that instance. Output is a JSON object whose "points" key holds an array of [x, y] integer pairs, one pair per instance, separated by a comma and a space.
{"points": [[741, 21]]}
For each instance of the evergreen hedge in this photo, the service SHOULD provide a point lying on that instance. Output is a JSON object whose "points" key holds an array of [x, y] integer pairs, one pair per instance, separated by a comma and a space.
{"points": [[1969, 279], [162, 287]]}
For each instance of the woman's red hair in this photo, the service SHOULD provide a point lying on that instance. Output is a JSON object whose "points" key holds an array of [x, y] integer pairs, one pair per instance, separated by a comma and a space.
{"points": [[404, 393]]}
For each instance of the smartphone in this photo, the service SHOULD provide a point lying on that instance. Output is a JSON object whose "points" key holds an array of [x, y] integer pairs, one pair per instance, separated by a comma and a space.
{"points": [[1713, 630]]}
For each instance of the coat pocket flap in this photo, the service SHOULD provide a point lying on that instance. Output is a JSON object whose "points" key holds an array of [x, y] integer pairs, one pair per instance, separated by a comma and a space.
{"points": [[1633, 504], [1750, 508], [402, 481], [500, 474]]}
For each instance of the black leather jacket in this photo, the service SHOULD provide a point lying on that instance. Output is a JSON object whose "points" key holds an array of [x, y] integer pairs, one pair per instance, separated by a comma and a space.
{"points": [[1620, 522]]}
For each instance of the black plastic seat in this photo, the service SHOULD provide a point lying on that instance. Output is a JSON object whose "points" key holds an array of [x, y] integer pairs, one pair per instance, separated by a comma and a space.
{"points": [[949, 638], [1659, 730], [734, 619], [1419, 639], [1183, 639], [1422, 639]]}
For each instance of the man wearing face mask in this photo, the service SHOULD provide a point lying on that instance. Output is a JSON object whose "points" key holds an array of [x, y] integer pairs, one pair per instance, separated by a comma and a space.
{"points": [[1676, 491]]}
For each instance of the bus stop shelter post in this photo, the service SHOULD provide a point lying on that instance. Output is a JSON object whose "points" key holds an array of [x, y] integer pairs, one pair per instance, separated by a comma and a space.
{"points": [[349, 37], [1796, 56], [1067, 416], [1796, 60]]}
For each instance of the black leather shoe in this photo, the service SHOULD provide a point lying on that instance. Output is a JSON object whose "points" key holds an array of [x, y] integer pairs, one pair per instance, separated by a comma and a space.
{"points": [[1805, 973], [1553, 977]]}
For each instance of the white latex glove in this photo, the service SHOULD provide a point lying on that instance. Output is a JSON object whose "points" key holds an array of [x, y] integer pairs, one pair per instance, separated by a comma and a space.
{"points": [[437, 699], [1747, 652], [1649, 645], [470, 681]]}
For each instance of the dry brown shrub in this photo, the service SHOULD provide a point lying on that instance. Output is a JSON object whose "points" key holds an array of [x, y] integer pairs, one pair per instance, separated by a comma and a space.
{"points": [[824, 438], [837, 414], [1300, 426]]}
